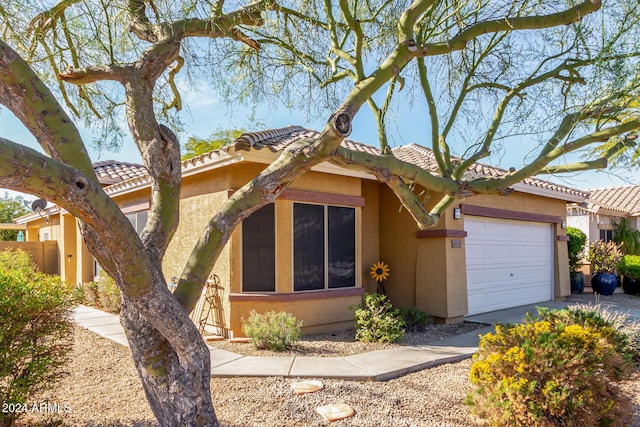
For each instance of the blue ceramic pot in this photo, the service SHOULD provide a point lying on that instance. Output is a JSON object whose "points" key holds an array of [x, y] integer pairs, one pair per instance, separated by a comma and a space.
{"points": [[630, 286], [577, 282], [604, 283]]}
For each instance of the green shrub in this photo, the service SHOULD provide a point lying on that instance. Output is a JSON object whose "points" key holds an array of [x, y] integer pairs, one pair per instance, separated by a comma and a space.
{"points": [[102, 293], [377, 321], [630, 266], [108, 293], [17, 260], [555, 370], [577, 240], [35, 335], [273, 330], [414, 319], [90, 293]]}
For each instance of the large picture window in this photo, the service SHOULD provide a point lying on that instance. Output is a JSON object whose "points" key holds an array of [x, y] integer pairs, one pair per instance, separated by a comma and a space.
{"points": [[259, 251], [324, 247]]}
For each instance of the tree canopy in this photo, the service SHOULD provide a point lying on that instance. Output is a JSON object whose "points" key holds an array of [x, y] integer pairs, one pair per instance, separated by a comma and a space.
{"points": [[195, 146], [562, 73], [11, 208]]}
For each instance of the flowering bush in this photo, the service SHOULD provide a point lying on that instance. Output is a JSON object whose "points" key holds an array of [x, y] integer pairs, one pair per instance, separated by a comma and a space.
{"points": [[555, 370], [604, 257]]}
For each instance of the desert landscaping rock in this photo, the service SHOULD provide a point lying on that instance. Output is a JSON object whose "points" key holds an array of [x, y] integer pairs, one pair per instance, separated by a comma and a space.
{"points": [[103, 390], [311, 386], [335, 411], [343, 343]]}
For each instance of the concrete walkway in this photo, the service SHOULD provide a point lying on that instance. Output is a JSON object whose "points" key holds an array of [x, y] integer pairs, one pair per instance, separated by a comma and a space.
{"points": [[378, 365]]}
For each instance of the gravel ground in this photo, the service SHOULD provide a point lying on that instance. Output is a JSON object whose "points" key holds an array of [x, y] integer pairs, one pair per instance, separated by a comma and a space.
{"points": [[344, 344], [103, 390]]}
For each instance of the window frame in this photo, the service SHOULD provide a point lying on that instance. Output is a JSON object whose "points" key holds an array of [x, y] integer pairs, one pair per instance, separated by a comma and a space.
{"points": [[356, 234], [275, 255], [609, 235]]}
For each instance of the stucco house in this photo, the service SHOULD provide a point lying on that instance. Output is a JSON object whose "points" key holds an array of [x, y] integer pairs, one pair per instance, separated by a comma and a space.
{"points": [[594, 215], [309, 253]]}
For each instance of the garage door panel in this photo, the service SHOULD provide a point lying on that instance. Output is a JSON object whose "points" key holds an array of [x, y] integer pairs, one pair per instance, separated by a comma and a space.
{"points": [[509, 263], [504, 283]]}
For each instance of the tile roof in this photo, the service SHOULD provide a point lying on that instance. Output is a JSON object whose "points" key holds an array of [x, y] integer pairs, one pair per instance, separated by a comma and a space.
{"points": [[112, 171], [424, 158], [278, 139], [619, 199]]}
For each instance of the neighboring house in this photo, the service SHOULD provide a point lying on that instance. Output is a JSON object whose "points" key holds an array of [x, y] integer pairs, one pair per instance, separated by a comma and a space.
{"points": [[310, 252], [53, 224], [594, 215]]}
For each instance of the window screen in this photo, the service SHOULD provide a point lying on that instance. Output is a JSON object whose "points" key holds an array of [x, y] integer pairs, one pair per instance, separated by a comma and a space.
{"points": [[341, 226], [258, 251], [308, 247]]}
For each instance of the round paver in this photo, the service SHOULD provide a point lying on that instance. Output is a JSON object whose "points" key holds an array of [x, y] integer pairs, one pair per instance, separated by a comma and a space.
{"points": [[311, 386], [335, 411]]}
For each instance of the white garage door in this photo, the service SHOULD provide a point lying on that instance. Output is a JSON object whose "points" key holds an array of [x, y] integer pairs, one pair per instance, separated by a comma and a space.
{"points": [[509, 263]]}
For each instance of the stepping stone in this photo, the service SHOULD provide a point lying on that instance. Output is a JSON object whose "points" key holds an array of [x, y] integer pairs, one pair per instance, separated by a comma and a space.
{"points": [[335, 412], [214, 338], [302, 387], [240, 340]]}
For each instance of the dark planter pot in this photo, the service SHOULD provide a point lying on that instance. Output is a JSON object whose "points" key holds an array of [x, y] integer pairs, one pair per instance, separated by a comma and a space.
{"points": [[630, 286], [577, 282], [604, 283]]}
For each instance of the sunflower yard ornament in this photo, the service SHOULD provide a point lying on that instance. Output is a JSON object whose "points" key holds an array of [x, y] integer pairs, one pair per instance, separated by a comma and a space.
{"points": [[380, 272]]}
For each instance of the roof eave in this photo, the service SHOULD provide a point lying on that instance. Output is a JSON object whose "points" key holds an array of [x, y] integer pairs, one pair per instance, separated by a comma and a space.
{"points": [[33, 216], [546, 192], [266, 156]]}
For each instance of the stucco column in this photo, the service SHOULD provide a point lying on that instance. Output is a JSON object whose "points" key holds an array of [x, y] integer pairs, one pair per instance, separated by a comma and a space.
{"points": [[68, 252], [562, 286]]}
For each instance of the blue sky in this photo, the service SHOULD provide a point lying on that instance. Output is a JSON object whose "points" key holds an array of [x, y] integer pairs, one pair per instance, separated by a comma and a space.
{"points": [[205, 113]]}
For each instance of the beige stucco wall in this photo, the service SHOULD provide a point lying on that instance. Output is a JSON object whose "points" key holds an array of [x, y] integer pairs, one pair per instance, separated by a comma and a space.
{"points": [[430, 273], [370, 235], [43, 254], [322, 313]]}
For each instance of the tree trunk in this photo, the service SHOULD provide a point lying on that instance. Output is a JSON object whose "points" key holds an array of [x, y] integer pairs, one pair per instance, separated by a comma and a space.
{"points": [[177, 387]]}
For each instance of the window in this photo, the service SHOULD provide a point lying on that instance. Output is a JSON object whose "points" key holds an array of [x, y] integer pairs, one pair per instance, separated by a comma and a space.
{"points": [[308, 247], [607, 235], [342, 247], [258, 251], [138, 220], [324, 247]]}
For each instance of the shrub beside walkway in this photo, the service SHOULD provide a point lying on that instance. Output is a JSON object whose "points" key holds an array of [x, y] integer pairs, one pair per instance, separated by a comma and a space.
{"points": [[378, 365]]}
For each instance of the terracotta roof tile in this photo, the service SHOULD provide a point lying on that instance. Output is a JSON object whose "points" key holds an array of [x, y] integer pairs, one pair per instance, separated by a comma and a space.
{"points": [[279, 139], [112, 171], [424, 158], [620, 199]]}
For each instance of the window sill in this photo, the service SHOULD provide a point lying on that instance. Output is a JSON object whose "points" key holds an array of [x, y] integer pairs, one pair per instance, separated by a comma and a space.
{"points": [[297, 296]]}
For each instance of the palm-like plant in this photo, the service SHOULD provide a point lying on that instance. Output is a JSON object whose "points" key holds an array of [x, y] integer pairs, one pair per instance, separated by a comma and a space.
{"points": [[626, 236]]}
